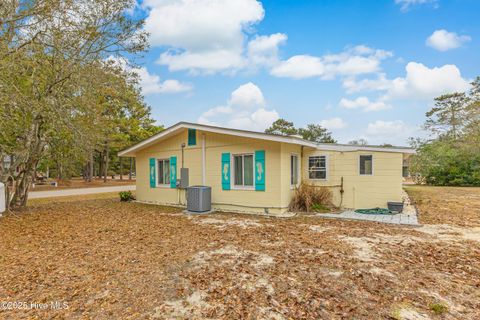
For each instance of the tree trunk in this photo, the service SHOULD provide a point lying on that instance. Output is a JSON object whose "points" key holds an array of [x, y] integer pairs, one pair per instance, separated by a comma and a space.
{"points": [[121, 168], [22, 178], [59, 171], [106, 163], [100, 165], [34, 178], [90, 167]]}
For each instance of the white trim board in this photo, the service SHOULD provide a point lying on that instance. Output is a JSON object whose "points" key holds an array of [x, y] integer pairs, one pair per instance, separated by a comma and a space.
{"points": [[131, 151]]}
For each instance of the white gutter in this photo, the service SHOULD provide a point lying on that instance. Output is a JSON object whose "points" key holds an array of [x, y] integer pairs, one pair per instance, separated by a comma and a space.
{"points": [[130, 152]]}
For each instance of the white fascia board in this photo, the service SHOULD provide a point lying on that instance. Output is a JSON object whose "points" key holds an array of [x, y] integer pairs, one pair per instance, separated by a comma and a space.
{"points": [[130, 152], [350, 148]]}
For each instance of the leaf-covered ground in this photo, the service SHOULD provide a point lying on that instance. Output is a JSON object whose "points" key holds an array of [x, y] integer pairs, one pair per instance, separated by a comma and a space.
{"points": [[112, 260], [457, 206]]}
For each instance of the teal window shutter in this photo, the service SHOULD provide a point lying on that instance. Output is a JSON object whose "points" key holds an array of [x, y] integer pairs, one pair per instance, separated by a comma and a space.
{"points": [[260, 170], [192, 137], [226, 171], [153, 176], [173, 172]]}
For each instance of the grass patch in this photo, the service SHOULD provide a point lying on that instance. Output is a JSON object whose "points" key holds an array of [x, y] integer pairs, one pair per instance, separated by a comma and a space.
{"points": [[438, 308], [317, 207]]}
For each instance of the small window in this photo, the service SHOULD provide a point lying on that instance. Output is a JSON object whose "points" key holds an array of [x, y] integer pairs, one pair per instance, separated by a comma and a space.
{"points": [[243, 170], [317, 167], [163, 176], [293, 169], [366, 165], [192, 137]]}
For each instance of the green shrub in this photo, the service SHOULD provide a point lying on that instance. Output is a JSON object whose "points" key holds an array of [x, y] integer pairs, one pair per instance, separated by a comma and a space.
{"points": [[126, 196], [446, 163]]}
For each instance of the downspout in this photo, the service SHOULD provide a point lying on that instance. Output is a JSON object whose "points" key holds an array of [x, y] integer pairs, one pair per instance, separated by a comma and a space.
{"points": [[301, 163], [183, 150], [203, 159], [178, 189]]}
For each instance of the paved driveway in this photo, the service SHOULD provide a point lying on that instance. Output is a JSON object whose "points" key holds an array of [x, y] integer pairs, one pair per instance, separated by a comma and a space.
{"points": [[76, 192]]}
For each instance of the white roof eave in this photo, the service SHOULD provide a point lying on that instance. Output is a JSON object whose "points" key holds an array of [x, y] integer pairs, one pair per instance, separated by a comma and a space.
{"points": [[131, 151]]}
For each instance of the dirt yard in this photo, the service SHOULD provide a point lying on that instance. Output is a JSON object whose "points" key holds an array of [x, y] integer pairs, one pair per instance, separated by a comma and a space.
{"points": [[102, 259]]}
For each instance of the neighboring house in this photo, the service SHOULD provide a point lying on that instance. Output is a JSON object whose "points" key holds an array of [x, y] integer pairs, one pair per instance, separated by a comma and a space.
{"points": [[257, 172]]}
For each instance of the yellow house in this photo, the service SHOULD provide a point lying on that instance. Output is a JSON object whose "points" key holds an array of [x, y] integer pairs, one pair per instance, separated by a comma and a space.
{"points": [[258, 172]]}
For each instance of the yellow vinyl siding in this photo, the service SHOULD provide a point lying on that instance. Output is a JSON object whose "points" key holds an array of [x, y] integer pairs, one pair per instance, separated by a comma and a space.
{"points": [[360, 191], [216, 144], [286, 188]]}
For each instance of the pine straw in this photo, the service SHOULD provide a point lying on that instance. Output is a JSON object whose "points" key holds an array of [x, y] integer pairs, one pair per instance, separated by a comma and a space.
{"points": [[112, 260], [306, 196], [458, 206]]}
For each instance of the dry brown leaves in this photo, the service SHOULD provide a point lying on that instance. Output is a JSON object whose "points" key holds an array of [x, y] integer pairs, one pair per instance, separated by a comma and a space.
{"points": [[458, 206], [111, 260]]}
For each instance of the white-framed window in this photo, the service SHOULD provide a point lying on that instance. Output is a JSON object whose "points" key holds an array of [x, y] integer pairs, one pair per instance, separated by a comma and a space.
{"points": [[243, 171], [294, 164], [365, 165], [163, 172], [317, 167]]}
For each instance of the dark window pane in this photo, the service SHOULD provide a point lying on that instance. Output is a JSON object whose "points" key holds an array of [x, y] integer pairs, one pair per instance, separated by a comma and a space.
{"points": [[248, 170], [293, 170], [322, 174], [160, 172], [317, 162], [238, 166], [366, 165], [166, 170], [317, 167], [319, 174], [321, 162]]}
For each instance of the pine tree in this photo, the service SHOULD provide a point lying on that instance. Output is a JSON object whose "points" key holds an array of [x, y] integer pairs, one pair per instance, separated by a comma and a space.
{"points": [[282, 127], [448, 118]]}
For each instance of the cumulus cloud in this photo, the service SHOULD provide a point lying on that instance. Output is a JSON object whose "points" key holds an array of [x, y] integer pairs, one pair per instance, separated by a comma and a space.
{"points": [[208, 35], [352, 85], [333, 123], [211, 36], [419, 83], [442, 40], [406, 4], [395, 132], [353, 61], [263, 50], [363, 103], [245, 109], [299, 67], [247, 96], [151, 83], [422, 82]]}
